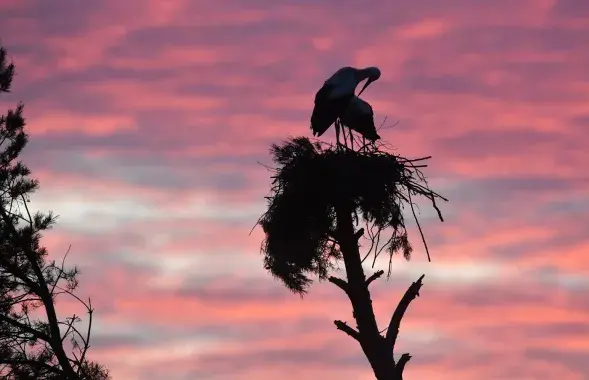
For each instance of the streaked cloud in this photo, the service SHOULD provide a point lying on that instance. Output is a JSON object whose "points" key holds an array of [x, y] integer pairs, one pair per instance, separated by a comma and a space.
{"points": [[149, 123]]}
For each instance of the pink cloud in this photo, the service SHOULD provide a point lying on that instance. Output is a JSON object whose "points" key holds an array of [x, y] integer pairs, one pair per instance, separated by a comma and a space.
{"points": [[147, 124]]}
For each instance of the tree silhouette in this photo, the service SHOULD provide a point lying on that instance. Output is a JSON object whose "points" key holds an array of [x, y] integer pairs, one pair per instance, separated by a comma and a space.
{"points": [[33, 347], [319, 197]]}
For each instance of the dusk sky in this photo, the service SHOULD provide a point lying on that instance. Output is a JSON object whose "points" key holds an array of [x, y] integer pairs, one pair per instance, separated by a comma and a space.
{"points": [[149, 122]]}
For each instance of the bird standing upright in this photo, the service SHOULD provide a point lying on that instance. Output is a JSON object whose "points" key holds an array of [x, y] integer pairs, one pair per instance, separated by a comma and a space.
{"points": [[359, 116], [332, 99]]}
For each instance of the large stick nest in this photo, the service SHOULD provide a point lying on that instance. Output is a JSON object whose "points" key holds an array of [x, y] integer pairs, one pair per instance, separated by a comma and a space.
{"points": [[311, 179]]}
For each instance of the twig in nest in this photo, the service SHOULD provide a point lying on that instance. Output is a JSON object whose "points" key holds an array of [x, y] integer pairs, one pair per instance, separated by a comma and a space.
{"points": [[419, 227], [388, 126], [431, 197], [374, 240], [381, 124], [268, 167], [403, 160], [378, 249]]}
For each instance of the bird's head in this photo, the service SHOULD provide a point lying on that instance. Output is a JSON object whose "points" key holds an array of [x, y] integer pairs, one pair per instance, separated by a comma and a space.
{"points": [[372, 73]]}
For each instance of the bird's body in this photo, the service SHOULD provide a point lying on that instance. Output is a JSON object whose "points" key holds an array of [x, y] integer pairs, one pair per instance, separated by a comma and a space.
{"points": [[327, 110], [332, 99], [359, 117]]}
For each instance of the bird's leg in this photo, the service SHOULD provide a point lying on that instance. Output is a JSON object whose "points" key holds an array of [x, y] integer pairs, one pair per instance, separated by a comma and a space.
{"points": [[337, 130], [345, 138], [351, 138], [364, 143]]}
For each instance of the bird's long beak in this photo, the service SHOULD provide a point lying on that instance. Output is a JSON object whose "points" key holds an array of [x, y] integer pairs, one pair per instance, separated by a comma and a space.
{"points": [[365, 85]]}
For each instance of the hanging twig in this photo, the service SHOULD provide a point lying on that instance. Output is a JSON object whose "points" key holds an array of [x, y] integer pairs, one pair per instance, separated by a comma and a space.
{"points": [[419, 227]]}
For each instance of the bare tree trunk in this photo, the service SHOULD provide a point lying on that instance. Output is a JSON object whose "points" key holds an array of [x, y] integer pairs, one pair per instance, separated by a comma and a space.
{"points": [[299, 239], [377, 348]]}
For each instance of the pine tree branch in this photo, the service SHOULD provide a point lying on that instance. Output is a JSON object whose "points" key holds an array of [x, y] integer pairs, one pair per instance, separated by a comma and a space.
{"points": [[16, 271], [26, 328], [54, 332], [33, 363], [347, 329], [410, 294]]}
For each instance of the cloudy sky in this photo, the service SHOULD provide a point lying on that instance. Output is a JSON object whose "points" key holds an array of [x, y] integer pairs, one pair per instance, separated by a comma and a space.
{"points": [[149, 119]]}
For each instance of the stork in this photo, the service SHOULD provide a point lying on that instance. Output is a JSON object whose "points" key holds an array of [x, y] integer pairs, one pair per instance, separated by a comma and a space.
{"points": [[332, 99], [359, 116]]}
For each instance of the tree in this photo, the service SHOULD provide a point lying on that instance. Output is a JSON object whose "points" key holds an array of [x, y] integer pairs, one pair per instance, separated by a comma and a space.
{"points": [[319, 198], [33, 347]]}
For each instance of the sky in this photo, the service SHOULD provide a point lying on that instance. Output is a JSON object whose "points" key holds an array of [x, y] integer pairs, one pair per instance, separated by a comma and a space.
{"points": [[150, 121]]}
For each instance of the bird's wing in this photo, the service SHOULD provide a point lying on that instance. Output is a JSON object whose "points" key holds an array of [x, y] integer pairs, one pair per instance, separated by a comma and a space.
{"points": [[359, 105], [323, 93], [342, 75]]}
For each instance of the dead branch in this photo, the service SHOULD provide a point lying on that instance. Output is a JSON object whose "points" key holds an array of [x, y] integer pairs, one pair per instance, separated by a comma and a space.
{"points": [[374, 277], [402, 362], [410, 295], [347, 329], [342, 284]]}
